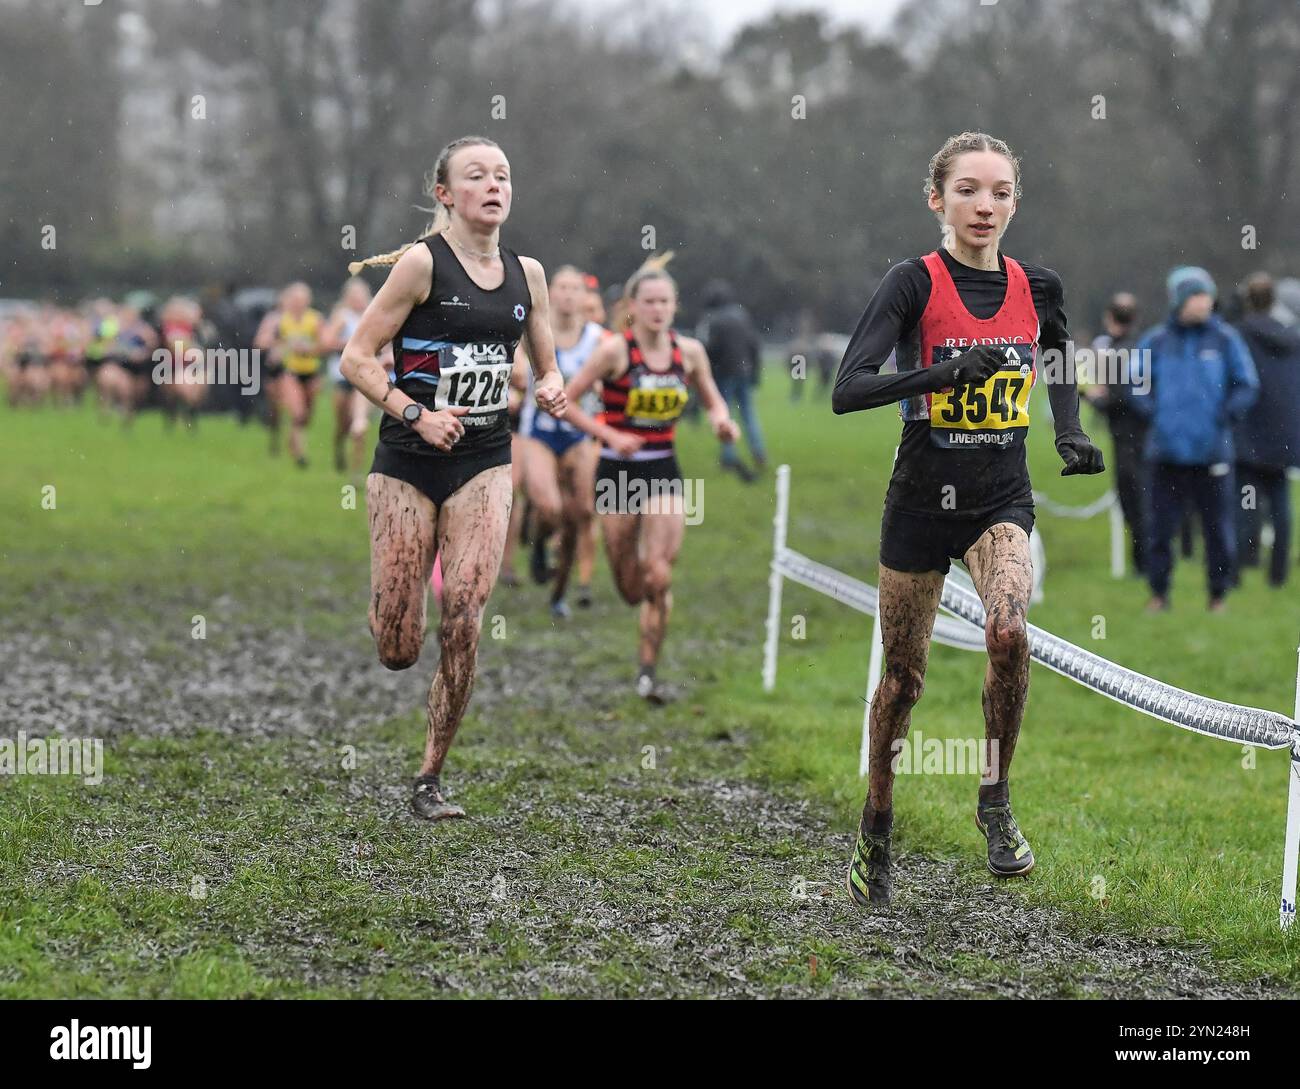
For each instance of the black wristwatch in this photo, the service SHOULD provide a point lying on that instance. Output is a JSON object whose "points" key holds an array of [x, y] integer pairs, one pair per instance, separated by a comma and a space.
{"points": [[411, 413]]}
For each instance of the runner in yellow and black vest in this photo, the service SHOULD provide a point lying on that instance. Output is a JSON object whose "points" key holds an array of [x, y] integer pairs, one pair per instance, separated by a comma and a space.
{"points": [[290, 340]]}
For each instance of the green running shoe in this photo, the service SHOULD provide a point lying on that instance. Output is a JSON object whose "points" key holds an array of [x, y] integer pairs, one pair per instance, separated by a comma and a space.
{"points": [[868, 880], [1009, 853]]}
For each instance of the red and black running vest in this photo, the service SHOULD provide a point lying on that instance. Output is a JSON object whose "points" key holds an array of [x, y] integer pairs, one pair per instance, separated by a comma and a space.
{"points": [[994, 414], [646, 402], [965, 454]]}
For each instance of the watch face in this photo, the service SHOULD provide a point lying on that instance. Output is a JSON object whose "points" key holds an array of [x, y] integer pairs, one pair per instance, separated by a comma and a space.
{"points": [[411, 413]]}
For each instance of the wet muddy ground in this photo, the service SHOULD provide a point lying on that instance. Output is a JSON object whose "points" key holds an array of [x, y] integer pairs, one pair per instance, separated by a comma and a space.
{"points": [[610, 850]]}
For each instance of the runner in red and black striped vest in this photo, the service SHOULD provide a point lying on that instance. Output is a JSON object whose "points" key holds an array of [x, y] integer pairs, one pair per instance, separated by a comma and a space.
{"points": [[642, 500], [657, 401]]}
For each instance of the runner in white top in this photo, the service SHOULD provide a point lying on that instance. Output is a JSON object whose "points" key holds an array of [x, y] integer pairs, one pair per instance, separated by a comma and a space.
{"points": [[351, 409], [558, 461]]}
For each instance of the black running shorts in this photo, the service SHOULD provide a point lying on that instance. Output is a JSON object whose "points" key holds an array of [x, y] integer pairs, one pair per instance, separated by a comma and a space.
{"points": [[438, 478], [916, 542], [637, 487]]}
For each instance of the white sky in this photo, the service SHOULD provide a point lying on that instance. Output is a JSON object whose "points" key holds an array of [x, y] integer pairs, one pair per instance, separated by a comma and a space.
{"points": [[729, 15]]}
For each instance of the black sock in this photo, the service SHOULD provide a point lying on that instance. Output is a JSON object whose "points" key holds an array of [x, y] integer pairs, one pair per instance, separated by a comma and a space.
{"points": [[879, 822], [995, 794], [646, 671]]}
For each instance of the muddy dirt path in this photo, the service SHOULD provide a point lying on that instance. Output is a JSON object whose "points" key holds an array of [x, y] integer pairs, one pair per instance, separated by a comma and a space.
{"points": [[580, 872]]}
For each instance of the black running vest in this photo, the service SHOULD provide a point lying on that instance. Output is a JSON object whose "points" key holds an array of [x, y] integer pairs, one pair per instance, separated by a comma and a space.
{"points": [[456, 349]]}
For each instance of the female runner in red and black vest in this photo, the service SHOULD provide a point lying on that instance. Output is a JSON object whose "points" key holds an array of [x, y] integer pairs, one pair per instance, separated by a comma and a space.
{"points": [[455, 307], [640, 495], [967, 324]]}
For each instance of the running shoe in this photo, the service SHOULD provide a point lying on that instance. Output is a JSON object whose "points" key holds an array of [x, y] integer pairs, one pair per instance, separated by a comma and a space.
{"points": [[560, 610], [869, 880], [428, 802], [584, 597], [1009, 853], [651, 690], [660, 694]]}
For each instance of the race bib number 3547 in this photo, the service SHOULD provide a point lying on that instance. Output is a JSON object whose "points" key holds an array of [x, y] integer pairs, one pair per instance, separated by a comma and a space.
{"points": [[994, 412], [473, 376]]}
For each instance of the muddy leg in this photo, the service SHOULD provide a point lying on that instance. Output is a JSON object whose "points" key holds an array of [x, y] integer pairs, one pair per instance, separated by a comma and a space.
{"points": [[342, 423], [661, 535], [402, 522], [1003, 572], [588, 456], [472, 529], [359, 429], [908, 603], [572, 513], [622, 549]]}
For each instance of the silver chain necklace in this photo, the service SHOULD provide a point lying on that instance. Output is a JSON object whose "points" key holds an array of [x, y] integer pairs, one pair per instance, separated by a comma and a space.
{"points": [[473, 253]]}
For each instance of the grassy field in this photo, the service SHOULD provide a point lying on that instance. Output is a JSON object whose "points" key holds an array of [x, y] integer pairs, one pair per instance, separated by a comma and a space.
{"points": [[251, 836]]}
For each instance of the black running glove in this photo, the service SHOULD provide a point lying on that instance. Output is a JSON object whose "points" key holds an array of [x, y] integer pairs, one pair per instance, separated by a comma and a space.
{"points": [[973, 365], [1081, 457]]}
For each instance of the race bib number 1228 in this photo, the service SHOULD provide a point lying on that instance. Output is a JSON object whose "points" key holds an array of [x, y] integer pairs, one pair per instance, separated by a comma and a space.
{"points": [[473, 376]]}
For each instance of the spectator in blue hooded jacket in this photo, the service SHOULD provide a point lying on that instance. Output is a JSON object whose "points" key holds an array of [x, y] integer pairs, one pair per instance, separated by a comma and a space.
{"points": [[1195, 380], [1268, 438]]}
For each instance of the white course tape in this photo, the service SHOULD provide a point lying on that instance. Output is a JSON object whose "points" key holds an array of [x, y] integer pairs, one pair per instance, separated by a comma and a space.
{"points": [[1097, 506], [964, 629]]}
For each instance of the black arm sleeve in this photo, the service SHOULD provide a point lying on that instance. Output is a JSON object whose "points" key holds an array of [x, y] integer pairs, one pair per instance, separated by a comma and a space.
{"points": [[1062, 388], [893, 310]]}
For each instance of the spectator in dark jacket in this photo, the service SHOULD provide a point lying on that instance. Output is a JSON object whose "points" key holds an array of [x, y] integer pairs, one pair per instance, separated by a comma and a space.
{"points": [[731, 341], [1196, 379], [1113, 396], [1268, 438]]}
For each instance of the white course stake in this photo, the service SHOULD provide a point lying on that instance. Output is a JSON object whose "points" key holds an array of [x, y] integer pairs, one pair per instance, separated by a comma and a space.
{"points": [[873, 682], [1116, 541], [1287, 914], [779, 521]]}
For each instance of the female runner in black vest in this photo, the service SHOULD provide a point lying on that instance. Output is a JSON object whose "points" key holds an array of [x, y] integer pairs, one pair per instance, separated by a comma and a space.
{"points": [[967, 324], [455, 307]]}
